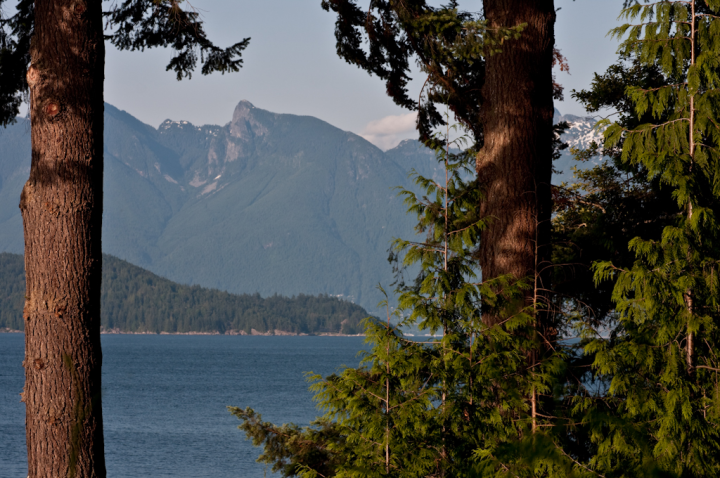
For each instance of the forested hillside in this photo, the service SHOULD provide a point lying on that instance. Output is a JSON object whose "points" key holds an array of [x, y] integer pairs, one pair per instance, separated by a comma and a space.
{"points": [[135, 300], [12, 291]]}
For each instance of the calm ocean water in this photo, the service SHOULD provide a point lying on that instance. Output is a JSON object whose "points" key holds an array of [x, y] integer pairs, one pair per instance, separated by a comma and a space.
{"points": [[164, 399]]}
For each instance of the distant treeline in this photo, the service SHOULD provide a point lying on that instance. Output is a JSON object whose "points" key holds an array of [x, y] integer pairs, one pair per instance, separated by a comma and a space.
{"points": [[135, 300]]}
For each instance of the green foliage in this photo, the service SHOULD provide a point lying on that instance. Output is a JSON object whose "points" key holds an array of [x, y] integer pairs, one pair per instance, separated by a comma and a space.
{"points": [[141, 24], [631, 398], [15, 33], [135, 300], [458, 404], [449, 46], [606, 204], [292, 449], [660, 358]]}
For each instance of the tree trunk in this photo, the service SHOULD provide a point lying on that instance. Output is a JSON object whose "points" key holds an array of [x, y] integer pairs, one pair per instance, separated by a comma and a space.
{"points": [[515, 164], [61, 206]]}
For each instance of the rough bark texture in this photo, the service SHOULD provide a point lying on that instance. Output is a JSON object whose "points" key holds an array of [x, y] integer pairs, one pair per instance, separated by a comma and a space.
{"points": [[515, 164], [61, 206]]}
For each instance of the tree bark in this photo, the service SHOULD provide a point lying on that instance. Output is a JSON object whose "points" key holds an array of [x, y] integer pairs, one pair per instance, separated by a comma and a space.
{"points": [[515, 164], [61, 206]]}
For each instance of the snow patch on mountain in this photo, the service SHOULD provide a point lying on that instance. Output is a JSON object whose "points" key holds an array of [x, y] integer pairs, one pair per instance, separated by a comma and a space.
{"points": [[581, 134]]}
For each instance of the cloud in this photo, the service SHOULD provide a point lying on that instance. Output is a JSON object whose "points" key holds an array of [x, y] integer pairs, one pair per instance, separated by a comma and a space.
{"points": [[387, 132]]}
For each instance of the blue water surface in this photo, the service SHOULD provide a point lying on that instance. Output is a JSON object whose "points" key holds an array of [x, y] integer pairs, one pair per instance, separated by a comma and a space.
{"points": [[164, 399]]}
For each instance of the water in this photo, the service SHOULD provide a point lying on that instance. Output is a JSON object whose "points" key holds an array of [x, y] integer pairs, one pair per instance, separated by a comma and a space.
{"points": [[164, 399]]}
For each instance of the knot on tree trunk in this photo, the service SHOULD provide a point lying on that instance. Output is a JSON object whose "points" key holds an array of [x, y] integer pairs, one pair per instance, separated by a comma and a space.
{"points": [[33, 76], [52, 109]]}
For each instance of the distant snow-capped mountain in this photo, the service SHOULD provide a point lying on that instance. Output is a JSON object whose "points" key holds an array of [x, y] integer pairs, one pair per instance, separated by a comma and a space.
{"points": [[580, 135]]}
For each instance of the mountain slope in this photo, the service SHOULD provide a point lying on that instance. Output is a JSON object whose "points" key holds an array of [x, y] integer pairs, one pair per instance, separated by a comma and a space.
{"points": [[135, 300], [14, 171], [268, 203], [283, 203]]}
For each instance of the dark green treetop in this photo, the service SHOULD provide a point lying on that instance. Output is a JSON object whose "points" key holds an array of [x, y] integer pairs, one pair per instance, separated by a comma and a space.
{"points": [[130, 25], [447, 44]]}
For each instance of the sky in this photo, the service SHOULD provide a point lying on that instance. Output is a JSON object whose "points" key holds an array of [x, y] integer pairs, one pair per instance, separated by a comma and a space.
{"points": [[291, 67]]}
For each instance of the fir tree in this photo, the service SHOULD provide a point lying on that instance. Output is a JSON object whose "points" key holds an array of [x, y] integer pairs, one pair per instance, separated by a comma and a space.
{"points": [[460, 404], [663, 397], [608, 203]]}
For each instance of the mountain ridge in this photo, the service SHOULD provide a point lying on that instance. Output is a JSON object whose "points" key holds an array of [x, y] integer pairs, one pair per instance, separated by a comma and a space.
{"points": [[267, 203]]}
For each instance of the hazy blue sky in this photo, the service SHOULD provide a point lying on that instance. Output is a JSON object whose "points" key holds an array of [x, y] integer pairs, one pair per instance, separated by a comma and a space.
{"points": [[291, 67]]}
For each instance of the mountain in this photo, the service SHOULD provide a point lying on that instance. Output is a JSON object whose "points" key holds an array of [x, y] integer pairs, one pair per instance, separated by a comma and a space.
{"points": [[412, 154], [135, 300], [269, 203], [581, 134]]}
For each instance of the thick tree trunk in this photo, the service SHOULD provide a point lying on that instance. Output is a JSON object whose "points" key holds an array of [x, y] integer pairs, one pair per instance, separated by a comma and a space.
{"points": [[61, 206], [515, 164]]}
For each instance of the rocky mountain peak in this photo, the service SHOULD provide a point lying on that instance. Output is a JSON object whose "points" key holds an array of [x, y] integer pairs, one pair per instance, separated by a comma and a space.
{"points": [[582, 131], [243, 110], [281, 203], [581, 134], [245, 124]]}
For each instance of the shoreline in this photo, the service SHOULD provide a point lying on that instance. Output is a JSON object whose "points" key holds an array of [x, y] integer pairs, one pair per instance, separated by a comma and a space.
{"points": [[253, 332]]}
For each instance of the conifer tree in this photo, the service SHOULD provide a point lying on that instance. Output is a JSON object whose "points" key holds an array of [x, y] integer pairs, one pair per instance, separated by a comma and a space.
{"points": [[494, 87], [661, 359], [53, 54], [608, 203], [514, 166], [447, 42], [458, 404]]}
